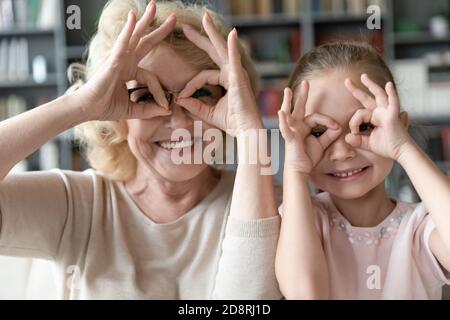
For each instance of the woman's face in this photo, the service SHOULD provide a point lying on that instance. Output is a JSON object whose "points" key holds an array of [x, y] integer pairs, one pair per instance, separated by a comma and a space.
{"points": [[329, 96], [150, 140]]}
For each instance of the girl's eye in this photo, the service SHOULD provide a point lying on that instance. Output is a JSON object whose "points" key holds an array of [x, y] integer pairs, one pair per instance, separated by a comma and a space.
{"points": [[366, 127], [317, 132]]}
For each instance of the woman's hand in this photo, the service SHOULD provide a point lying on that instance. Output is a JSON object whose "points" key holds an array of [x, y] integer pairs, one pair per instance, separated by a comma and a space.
{"points": [[306, 137], [377, 127], [237, 109], [105, 95]]}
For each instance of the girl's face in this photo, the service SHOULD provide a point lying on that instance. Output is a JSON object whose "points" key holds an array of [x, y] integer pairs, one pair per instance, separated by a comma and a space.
{"points": [[329, 96], [150, 140]]}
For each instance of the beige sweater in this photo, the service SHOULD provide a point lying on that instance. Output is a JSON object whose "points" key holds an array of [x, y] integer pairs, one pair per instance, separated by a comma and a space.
{"points": [[104, 247]]}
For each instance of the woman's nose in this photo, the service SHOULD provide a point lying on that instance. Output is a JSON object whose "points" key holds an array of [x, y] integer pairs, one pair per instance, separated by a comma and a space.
{"points": [[341, 150], [179, 117]]}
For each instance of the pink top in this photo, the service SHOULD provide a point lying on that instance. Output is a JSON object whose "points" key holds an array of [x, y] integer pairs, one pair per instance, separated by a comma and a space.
{"points": [[390, 261]]}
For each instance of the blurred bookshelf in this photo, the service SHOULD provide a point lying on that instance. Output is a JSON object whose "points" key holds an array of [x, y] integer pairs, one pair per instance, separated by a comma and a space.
{"points": [[35, 51]]}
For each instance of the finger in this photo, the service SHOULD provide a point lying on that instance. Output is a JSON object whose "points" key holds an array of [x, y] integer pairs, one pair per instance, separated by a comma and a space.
{"points": [[146, 20], [156, 89], [216, 38], [147, 43], [202, 42], [366, 100], [393, 99], [375, 89], [318, 119], [286, 105], [359, 117], [123, 40], [234, 54], [205, 77], [286, 132], [146, 111], [197, 108], [357, 141], [300, 103]]}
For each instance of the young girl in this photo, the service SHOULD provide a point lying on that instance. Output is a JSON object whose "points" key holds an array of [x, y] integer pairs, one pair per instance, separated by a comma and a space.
{"points": [[344, 133]]}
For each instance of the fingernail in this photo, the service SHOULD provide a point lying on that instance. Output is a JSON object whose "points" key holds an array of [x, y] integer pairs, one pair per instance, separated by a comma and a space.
{"points": [[171, 17], [207, 16]]}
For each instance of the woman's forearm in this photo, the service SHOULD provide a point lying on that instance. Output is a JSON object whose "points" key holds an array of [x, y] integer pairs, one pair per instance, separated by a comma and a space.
{"points": [[432, 186], [253, 193], [300, 263], [25, 133]]}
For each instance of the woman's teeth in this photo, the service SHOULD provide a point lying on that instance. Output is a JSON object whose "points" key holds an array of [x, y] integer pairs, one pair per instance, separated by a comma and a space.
{"points": [[347, 174], [176, 144]]}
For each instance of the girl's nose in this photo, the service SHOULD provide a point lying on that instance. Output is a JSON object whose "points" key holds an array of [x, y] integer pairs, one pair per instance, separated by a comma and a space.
{"points": [[341, 150]]}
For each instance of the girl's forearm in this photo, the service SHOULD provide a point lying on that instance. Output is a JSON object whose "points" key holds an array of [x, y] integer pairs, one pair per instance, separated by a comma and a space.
{"points": [[25, 133], [300, 263], [253, 193], [432, 186]]}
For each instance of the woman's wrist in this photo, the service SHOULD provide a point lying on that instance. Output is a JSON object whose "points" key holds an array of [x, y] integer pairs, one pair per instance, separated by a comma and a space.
{"points": [[77, 112]]}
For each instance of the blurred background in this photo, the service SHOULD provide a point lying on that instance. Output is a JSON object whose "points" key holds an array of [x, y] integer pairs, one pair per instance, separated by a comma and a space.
{"points": [[37, 45]]}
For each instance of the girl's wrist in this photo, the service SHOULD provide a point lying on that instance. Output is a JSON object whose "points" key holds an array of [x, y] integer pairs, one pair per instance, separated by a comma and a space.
{"points": [[404, 152]]}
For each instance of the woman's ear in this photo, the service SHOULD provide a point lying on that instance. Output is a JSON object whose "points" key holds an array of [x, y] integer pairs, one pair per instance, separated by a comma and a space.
{"points": [[404, 118]]}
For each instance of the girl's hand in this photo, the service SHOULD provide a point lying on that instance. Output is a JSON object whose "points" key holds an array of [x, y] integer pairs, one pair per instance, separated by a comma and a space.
{"points": [[306, 137], [377, 127], [237, 109], [105, 95]]}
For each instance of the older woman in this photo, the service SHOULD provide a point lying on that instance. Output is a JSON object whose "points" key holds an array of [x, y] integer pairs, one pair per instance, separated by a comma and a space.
{"points": [[138, 225]]}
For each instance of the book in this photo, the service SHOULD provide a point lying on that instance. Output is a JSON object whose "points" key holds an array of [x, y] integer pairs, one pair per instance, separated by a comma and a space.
{"points": [[264, 7], [48, 15], [7, 13], [4, 60], [242, 8]]}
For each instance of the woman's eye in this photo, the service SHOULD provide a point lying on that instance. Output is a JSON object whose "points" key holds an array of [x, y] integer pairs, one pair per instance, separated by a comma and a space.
{"points": [[365, 127], [146, 98], [201, 93], [209, 94]]}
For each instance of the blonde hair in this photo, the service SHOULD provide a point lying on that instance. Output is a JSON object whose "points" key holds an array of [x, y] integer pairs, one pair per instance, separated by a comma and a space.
{"points": [[349, 55], [104, 143]]}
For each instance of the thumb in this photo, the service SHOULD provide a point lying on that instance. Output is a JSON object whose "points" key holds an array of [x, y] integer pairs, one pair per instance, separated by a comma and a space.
{"points": [[357, 141]]}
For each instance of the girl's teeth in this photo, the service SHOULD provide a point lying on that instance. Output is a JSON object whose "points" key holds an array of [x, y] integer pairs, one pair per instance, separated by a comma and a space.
{"points": [[176, 145], [347, 174]]}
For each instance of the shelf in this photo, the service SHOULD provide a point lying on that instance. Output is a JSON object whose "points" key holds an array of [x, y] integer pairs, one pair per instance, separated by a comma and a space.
{"points": [[328, 18], [29, 83], [419, 38], [274, 69], [26, 32], [276, 19]]}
